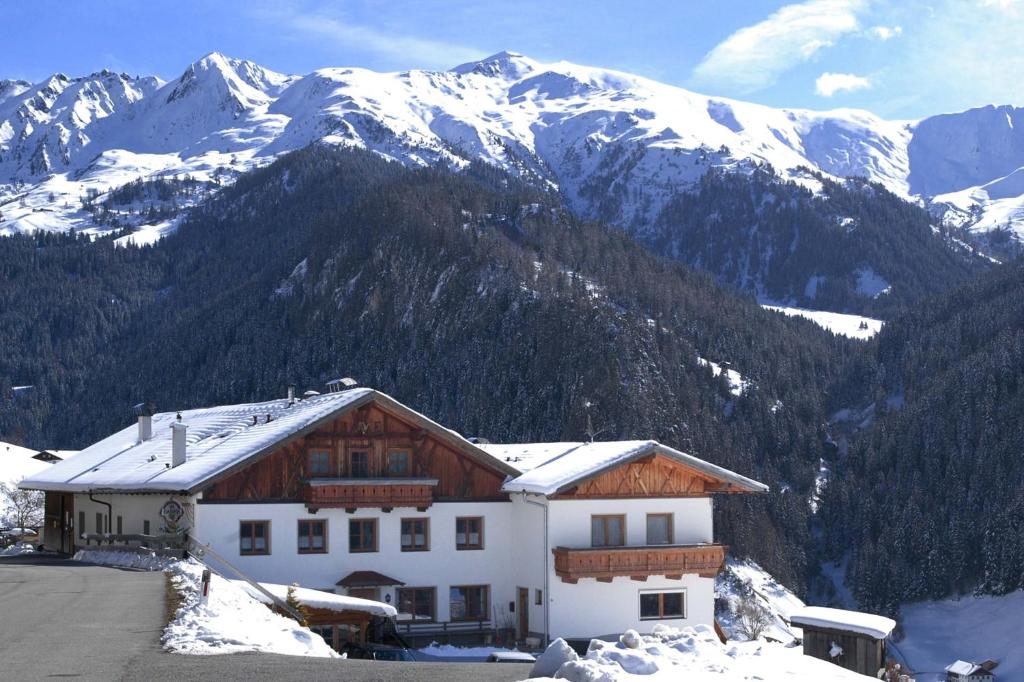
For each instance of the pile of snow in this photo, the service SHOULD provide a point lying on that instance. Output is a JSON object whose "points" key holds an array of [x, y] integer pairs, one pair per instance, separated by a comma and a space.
{"points": [[449, 651], [17, 549], [741, 580], [230, 622], [937, 633], [853, 326], [694, 654]]}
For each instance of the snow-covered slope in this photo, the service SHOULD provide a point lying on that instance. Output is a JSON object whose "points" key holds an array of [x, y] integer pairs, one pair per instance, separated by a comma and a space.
{"points": [[616, 144]]}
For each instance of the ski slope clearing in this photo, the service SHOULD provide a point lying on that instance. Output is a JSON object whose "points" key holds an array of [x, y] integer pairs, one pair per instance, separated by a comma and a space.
{"points": [[691, 654], [938, 633], [853, 326], [230, 622]]}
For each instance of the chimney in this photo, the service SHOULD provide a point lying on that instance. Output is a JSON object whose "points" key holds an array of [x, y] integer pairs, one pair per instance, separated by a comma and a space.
{"points": [[178, 431], [291, 395], [145, 411]]}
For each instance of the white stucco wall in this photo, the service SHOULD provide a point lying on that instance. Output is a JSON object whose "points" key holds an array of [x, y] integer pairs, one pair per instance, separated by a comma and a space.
{"points": [[133, 510], [691, 516], [441, 567], [531, 555]]}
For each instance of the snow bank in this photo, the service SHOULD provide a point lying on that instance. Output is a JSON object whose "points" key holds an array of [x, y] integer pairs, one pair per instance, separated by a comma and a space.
{"points": [[692, 654], [230, 622], [937, 633], [449, 651], [17, 549], [837, 323]]}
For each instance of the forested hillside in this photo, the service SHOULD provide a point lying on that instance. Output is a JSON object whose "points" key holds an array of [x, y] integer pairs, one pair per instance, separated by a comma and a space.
{"points": [[852, 247], [931, 502], [481, 302]]}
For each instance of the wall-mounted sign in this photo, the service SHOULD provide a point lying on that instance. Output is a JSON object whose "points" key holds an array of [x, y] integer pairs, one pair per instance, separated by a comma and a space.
{"points": [[171, 513]]}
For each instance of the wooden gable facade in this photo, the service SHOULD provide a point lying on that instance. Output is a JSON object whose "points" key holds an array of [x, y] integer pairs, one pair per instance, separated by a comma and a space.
{"points": [[370, 452], [653, 475]]}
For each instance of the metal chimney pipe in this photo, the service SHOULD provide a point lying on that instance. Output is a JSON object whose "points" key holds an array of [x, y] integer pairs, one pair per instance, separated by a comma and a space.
{"points": [[178, 431], [291, 395]]}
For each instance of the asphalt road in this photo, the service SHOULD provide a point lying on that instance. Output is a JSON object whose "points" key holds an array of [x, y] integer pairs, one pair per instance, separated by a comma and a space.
{"points": [[65, 619]]}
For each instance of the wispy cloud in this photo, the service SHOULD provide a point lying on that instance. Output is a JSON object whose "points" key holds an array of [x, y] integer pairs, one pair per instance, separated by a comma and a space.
{"points": [[829, 83], [884, 33], [753, 57], [323, 24]]}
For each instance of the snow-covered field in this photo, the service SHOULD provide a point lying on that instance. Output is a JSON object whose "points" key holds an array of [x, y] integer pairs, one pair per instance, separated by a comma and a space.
{"points": [[970, 628], [690, 654], [854, 326], [230, 622]]}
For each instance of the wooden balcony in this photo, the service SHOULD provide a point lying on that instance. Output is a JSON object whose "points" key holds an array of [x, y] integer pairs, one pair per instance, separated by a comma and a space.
{"points": [[638, 563], [361, 493]]}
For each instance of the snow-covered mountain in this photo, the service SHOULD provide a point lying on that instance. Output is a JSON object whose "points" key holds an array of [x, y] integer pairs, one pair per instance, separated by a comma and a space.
{"points": [[617, 145]]}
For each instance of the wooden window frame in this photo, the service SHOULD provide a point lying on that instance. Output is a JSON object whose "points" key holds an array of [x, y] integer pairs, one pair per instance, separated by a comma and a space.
{"points": [[266, 536], [376, 536], [309, 461], [311, 549], [661, 604], [408, 462], [485, 606], [351, 467], [671, 529], [433, 604], [425, 520], [604, 523], [467, 546]]}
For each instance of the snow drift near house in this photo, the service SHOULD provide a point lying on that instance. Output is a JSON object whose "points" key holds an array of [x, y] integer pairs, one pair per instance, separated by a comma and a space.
{"points": [[231, 622], [693, 654]]}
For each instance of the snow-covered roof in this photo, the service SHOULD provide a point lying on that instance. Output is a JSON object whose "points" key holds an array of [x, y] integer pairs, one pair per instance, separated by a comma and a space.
{"points": [[548, 468], [318, 599], [219, 439], [868, 624], [17, 462], [965, 668]]}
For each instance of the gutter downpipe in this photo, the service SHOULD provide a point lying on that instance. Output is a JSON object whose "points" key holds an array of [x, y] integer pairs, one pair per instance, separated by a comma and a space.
{"points": [[110, 510], [547, 553]]}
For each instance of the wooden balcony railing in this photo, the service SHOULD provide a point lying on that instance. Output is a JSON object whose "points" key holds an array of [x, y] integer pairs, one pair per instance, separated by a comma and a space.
{"points": [[383, 493], [638, 563]]}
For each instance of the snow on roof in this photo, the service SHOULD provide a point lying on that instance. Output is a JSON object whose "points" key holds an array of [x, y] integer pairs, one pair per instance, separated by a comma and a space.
{"points": [[868, 624], [17, 462], [317, 599], [548, 468], [217, 439], [964, 668]]}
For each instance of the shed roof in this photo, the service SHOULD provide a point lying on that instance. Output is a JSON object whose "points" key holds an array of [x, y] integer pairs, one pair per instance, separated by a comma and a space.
{"points": [[367, 579], [868, 624], [966, 668]]}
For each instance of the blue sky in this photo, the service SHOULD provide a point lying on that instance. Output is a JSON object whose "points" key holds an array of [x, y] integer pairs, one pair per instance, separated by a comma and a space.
{"points": [[898, 58]]}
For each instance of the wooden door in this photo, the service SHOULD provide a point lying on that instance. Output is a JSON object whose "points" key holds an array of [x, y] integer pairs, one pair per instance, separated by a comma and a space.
{"points": [[523, 606]]}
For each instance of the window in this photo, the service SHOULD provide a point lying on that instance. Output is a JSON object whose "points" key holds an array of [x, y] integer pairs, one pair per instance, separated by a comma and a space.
{"points": [[469, 602], [359, 464], [312, 537], [145, 527], [607, 531], [659, 529], [469, 532], [255, 537], [99, 522], [398, 463], [362, 535], [319, 463], [538, 597], [662, 605], [120, 525], [81, 523], [415, 535], [416, 603]]}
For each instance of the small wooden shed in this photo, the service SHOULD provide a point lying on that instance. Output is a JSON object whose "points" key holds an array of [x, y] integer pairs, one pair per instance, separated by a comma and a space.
{"points": [[967, 671], [850, 639]]}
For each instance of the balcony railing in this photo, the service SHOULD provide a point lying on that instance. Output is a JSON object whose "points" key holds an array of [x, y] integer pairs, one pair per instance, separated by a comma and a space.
{"points": [[356, 493], [638, 563]]}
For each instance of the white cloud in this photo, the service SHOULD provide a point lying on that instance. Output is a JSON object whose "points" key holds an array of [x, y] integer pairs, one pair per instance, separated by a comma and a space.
{"points": [[884, 33], [829, 83], [753, 57]]}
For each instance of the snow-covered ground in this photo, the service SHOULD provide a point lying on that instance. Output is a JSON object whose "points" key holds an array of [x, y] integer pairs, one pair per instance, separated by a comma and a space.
{"points": [[745, 579], [937, 633], [853, 326], [690, 654], [230, 622]]}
